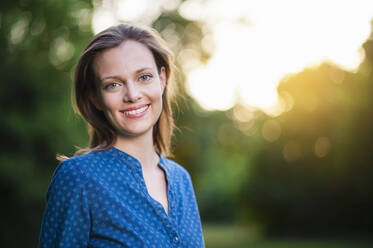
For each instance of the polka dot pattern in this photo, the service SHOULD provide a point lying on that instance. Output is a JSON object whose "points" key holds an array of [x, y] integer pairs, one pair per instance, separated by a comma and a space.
{"points": [[100, 199]]}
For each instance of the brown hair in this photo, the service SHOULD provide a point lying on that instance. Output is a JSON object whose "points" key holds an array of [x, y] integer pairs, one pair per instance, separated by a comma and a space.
{"points": [[101, 133]]}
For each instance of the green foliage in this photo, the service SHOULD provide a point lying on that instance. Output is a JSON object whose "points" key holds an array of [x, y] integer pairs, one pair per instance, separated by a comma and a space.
{"points": [[40, 42], [232, 236], [315, 179], [306, 172]]}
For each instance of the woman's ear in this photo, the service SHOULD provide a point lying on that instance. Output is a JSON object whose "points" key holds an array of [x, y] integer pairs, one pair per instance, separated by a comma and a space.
{"points": [[163, 78]]}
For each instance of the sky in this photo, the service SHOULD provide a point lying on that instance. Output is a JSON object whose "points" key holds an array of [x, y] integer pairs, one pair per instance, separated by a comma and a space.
{"points": [[257, 42]]}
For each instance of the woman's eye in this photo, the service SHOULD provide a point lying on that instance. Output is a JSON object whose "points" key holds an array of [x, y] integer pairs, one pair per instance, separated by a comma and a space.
{"points": [[112, 85], [145, 77]]}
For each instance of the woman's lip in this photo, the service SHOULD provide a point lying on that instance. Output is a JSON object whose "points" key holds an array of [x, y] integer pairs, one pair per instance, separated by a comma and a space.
{"points": [[134, 108], [136, 115]]}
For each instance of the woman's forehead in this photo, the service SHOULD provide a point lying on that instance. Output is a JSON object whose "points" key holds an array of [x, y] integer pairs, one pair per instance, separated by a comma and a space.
{"points": [[130, 56]]}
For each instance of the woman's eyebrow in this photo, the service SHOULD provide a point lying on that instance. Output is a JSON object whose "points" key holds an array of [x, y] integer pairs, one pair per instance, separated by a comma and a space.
{"points": [[144, 69], [110, 77]]}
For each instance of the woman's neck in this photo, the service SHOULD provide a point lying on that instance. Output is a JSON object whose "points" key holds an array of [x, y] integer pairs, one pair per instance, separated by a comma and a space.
{"points": [[141, 147]]}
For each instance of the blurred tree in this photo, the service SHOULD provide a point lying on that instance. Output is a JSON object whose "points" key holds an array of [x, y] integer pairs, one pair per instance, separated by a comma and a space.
{"points": [[39, 42], [315, 179]]}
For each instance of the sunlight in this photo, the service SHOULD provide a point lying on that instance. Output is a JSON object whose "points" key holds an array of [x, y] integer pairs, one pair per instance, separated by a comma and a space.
{"points": [[257, 42], [276, 38]]}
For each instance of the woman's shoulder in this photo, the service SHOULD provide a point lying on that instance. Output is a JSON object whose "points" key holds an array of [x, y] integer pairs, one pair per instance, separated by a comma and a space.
{"points": [[77, 160], [79, 164], [76, 171]]}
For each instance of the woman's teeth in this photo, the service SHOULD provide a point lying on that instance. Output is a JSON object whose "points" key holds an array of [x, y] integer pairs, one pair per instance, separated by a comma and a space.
{"points": [[136, 111]]}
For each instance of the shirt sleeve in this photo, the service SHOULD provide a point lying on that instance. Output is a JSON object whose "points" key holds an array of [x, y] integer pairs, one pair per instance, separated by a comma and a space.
{"points": [[66, 219]]}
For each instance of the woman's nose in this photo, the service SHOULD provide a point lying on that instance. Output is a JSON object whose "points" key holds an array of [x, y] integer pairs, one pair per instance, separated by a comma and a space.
{"points": [[133, 93]]}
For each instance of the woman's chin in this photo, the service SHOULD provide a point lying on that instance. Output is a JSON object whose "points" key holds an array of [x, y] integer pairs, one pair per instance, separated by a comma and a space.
{"points": [[135, 132]]}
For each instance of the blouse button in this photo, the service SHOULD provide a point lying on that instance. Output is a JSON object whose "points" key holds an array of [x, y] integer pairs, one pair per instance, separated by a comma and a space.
{"points": [[176, 239]]}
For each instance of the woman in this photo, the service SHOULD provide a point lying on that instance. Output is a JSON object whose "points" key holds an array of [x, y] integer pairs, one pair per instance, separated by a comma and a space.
{"points": [[121, 191]]}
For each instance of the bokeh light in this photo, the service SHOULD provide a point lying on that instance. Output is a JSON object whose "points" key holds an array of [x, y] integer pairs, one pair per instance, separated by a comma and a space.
{"points": [[254, 44]]}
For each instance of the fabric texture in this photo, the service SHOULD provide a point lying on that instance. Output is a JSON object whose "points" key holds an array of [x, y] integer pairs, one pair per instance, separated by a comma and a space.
{"points": [[100, 199]]}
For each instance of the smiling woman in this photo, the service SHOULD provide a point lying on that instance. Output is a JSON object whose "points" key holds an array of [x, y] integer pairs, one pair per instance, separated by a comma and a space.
{"points": [[121, 190], [130, 88]]}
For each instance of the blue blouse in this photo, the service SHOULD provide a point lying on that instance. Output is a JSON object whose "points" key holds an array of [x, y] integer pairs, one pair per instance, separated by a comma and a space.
{"points": [[100, 199]]}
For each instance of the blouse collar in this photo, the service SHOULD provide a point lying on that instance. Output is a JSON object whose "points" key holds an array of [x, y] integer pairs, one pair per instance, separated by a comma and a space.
{"points": [[119, 153]]}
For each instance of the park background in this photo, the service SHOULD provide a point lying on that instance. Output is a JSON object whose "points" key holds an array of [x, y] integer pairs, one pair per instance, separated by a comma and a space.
{"points": [[278, 142]]}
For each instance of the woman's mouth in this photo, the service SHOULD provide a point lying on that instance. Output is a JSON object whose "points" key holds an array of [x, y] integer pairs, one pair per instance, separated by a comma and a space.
{"points": [[136, 113]]}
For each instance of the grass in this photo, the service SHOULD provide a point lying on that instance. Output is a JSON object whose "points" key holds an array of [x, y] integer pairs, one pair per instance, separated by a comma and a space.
{"points": [[230, 236]]}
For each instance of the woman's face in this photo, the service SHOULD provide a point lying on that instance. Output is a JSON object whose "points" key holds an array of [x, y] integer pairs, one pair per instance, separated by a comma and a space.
{"points": [[129, 88]]}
